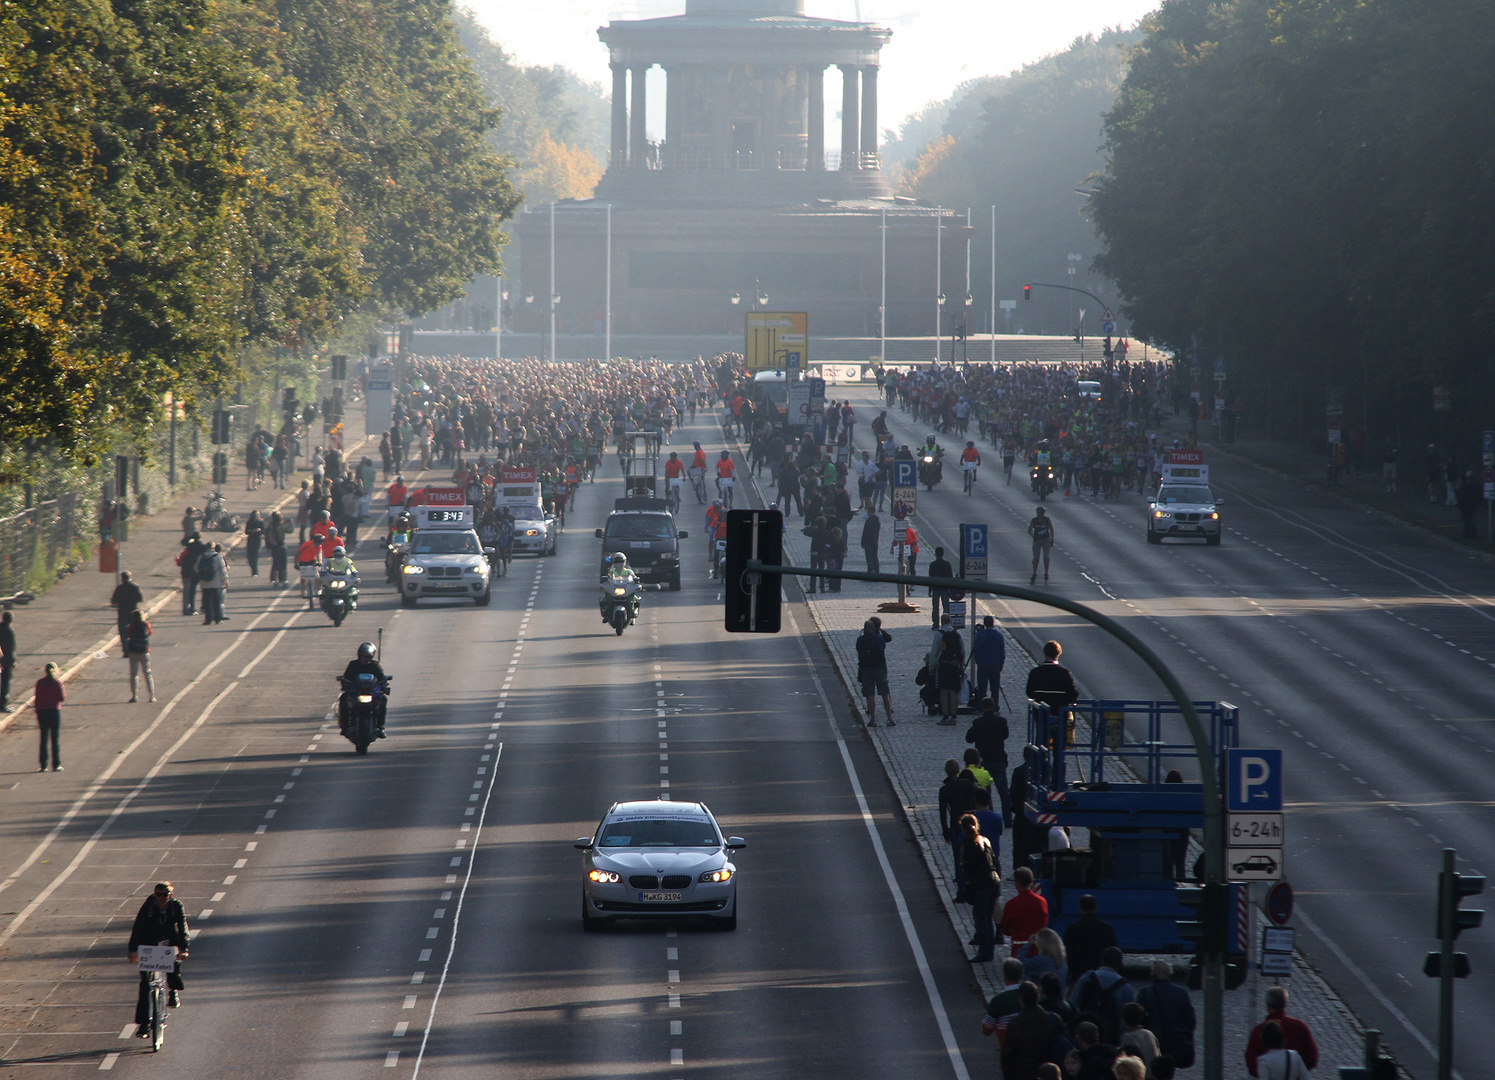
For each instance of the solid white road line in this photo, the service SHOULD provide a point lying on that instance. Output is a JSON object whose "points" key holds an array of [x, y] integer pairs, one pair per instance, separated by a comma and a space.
{"points": [[900, 902], [83, 852], [451, 947]]}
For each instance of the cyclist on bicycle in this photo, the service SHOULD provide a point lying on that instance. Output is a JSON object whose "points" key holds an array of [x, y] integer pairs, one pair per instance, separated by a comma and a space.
{"points": [[726, 476], [714, 514], [674, 478], [697, 473], [160, 921], [970, 458]]}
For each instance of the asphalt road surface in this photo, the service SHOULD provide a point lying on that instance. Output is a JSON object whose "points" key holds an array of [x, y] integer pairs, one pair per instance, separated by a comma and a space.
{"points": [[416, 911], [1361, 647]]}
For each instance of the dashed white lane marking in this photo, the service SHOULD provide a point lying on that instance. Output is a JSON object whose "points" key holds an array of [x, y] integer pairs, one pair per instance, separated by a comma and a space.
{"points": [[110, 1059], [392, 1058]]}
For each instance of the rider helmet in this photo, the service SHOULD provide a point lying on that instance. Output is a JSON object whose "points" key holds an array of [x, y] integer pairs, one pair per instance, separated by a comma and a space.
{"points": [[726, 454], [339, 551], [366, 651], [696, 445], [716, 504], [619, 559], [970, 446]]}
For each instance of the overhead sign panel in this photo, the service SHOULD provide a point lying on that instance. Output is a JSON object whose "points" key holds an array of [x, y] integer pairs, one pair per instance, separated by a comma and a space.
{"points": [[776, 339]]}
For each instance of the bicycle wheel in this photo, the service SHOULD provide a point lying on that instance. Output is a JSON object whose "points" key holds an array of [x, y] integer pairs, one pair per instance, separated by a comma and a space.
{"points": [[158, 1010]]}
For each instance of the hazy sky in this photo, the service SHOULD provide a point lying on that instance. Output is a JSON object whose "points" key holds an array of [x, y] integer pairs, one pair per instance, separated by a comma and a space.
{"points": [[935, 47]]}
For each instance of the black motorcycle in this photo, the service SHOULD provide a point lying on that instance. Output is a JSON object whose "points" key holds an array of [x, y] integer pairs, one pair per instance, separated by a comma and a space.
{"points": [[1042, 479], [931, 467], [366, 699]]}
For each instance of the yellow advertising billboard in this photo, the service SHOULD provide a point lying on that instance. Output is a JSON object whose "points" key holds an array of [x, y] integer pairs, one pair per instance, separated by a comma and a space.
{"points": [[776, 339]]}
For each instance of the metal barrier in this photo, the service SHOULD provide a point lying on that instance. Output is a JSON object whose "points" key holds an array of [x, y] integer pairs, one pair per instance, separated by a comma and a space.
{"points": [[33, 539], [1149, 757]]}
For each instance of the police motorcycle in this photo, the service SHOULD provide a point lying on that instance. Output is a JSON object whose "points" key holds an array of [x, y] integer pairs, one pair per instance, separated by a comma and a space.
{"points": [[620, 591], [340, 580], [931, 463], [1041, 475], [365, 698]]}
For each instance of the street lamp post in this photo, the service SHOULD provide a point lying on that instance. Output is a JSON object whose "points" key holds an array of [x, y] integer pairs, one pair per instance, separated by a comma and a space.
{"points": [[882, 301], [607, 343], [553, 297], [1074, 257], [939, 290]]}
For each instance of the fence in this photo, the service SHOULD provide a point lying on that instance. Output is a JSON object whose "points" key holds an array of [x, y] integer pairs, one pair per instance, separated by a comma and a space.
{"points": [[35, 539]]}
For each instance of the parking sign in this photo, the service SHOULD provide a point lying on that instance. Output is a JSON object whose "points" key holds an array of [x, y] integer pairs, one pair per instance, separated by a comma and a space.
{"points": [[905, 474], [973, 550], [1254, 781]]}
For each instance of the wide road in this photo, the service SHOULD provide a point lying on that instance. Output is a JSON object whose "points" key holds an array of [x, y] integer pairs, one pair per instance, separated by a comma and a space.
{"points": [[1361, 647], [416, 911]]}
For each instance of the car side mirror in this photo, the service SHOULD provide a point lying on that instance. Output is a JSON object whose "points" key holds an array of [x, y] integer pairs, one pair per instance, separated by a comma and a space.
{"points": [[490, 551], [583, 843], [682, 535], [599, 534], [1220, 502], [736, 843]]}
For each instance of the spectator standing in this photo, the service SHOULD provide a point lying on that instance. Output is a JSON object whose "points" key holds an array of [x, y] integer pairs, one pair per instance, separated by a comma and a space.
{"points": [[1127, 1067], [192, 551], [1026, 913], [1025, 1045], [1086, 940], [1276, 1061], [275, 541], [939, 567], [988, 657], [1005, 1003], [988, 733], [872, 669], [1045, 955], [49, 696], [303, 508], [254, 537], [836, 557], [1136, 1039], [138, 652], [1096, 1056], [1103, 992], [1296, 1035], [1170, 1014], [1052, 988], [7, 658], [125, 599], [212, 571], [983, 886], [871, 540], [949, 665], [958, 796], [1051, 683]]}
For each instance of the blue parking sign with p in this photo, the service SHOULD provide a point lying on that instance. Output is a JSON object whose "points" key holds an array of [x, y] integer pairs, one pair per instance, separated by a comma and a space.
{"points": [[1253, 781], [973, 540], [905, 473]]}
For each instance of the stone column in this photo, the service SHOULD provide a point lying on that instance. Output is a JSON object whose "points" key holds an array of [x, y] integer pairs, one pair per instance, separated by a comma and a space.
{"points": [[869, 114], [672, 119], [768, 145], [619, 156], [638, 151], [816, 126], [721, 120], [850, 121]]}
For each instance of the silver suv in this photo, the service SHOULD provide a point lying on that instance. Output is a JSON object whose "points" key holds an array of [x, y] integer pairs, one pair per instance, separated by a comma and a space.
{"points": [[1184, 510]]}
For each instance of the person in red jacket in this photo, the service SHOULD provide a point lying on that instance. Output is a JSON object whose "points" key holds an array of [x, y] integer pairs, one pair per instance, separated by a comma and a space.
{"points": [[1026, 913], [50, 694], [1296, 1035]]}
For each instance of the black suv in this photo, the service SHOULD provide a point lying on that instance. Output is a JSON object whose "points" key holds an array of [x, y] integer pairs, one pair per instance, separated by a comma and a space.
{"points": [[648, 537]]}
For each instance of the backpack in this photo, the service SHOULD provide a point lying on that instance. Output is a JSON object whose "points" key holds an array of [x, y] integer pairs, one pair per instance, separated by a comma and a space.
{"points": [[1060, 1043], [137, 636], [207, 569], [1102, 1001], [869, 653]]}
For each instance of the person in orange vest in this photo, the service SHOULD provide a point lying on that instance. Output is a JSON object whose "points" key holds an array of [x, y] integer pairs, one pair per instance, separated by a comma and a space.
{"points": [[308, 564], [331, 543], [322, 526], [726, 474], [674, 477], [910, 540], [397, 493]]}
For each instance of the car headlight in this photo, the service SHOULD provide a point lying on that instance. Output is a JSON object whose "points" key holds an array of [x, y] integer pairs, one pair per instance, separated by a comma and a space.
{"points": [[413, 569], [666, 555], [1161, 514], [531, 532], [606, 877], [724, 874], [1214, 515]]}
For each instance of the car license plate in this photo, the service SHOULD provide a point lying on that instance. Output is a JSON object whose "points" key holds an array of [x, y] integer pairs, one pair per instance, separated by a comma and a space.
{"points": [[1189, 528], [660, 897]]}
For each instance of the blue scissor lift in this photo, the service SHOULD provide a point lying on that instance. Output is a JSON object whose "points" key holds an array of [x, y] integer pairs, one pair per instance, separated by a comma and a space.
{"points": [[1135, 819]]}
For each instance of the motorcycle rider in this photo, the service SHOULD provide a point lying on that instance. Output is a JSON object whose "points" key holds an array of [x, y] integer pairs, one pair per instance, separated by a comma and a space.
{"points": [[340, 566], [365, 664], [619, 573]]}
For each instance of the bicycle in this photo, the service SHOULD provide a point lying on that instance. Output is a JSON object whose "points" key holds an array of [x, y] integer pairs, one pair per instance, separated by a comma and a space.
{"points": [[970, 479], [698, 484], [724, 486], [672, 496], [156, 960]]}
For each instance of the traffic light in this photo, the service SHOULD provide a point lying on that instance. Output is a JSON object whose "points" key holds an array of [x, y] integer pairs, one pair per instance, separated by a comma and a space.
{"points": [[220, 427], [1452, 888], [220, 468], [1208, 929], [1027, 292], [753, 599]]}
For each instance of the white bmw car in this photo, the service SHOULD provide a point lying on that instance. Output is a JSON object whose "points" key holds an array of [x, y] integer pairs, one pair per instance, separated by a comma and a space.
{"points": [[658, 860]]}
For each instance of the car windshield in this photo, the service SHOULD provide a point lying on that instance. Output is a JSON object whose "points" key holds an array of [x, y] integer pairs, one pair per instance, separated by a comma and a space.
{"points": [[446, 543], [641, 527], [527, 513], [660, 832], [1189, 494]]}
